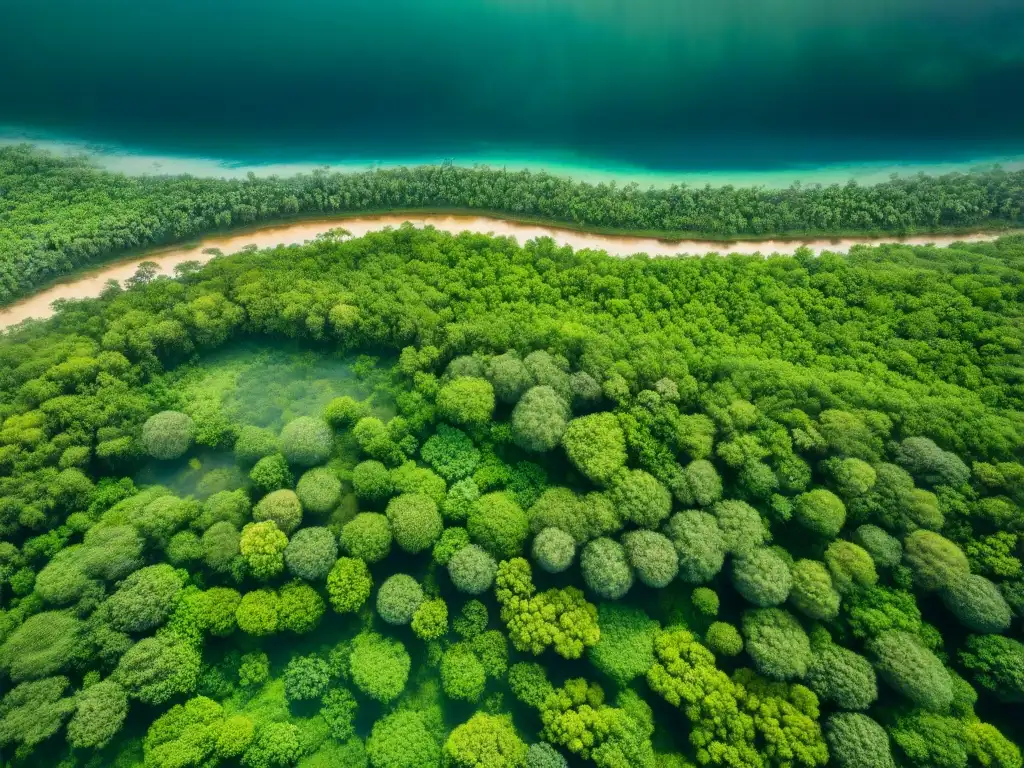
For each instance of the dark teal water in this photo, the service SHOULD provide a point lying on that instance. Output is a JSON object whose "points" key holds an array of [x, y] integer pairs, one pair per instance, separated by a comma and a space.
{"points": [[664, 84]]}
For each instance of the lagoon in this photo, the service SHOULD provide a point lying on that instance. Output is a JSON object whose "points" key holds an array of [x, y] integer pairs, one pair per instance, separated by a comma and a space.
{"points": [[654, 91]]}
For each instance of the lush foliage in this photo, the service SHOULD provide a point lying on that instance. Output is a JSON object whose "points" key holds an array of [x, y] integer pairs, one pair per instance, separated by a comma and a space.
{"points": [[64, 214], [780, 495]]}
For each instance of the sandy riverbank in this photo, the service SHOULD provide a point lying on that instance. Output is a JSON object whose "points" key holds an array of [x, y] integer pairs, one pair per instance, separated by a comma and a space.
{"points": [[89, 283]]}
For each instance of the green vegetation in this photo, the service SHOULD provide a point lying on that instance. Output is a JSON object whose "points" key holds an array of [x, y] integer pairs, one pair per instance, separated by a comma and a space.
{"points": [[420, 500], [62, 213]]}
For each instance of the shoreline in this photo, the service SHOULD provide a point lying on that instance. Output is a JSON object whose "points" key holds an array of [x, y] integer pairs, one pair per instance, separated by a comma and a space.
{"points": [[136, 161], [89, 283]]}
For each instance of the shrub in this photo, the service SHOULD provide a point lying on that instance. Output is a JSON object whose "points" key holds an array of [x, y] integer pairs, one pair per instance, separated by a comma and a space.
{"points": [[935, 561], [466, 401], [257, 612], [311, 553], [430, 621], [462, 675], [596, 446], [452, 540], [625, 650], [167, 435], [586, 392], [379, 666], [300, 607], [491, 648], [349, 584], [319, 491], [600, 516], [762, 577], [606, 570], [459, 501], [699, 484], [410, 478], [550, 370], [274, 744], [253, 669], [997, 664], [145, 599], [402, 740], [306, 677], [742, 528], [472, 570], [398, 598], [990, 748], [653, 557], [339, 710], [885, 550], [539, 419], [929, 740], [558, 618], [554, 550], [485, 740], [912, 670], [224, 506], [923, 459], [306, 441], [371, 481], [723, 639], [182, 550], [271, 473], [45, 643], [464, 365], [563, 509], [375, 439], [344, 411], [415, 521], [282, 507], [543, 755], [777, 644], [509, 376], [700, 544], [821, 512], [367, 536], [217, 607], [262, 546], [854, 477], [451, 453], [757, 481], [253, 444], [842, 677], [529, 683], [812, 593], [220, 545], [100, 711], [33, 712], [705, 600], [334, 753], [857, 741], [498, 524], [849, 566], [640, 499], [978, 604], [156, 669]]}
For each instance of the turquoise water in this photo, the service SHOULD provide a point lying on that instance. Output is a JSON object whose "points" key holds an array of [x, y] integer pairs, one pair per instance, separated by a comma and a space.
{"points": [[640, 88]]}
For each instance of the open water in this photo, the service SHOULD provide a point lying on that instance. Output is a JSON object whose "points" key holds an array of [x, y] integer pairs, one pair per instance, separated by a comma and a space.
{"points": [[635, 85]]}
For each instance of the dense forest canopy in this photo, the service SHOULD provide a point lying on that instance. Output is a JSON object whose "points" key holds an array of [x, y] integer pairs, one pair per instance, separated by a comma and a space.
{"points": [[736, 512], [59, 214]]}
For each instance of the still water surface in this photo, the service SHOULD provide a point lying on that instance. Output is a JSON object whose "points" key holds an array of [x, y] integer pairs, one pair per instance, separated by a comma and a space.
{"points": [[677, 85]]}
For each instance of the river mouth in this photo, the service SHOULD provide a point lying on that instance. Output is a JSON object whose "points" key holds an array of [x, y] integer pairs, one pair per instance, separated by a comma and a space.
{"points": [[90, 282]]}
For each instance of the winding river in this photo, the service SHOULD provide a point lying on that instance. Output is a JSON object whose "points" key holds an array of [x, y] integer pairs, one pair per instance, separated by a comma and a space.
{"points": [[89, 283]]}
